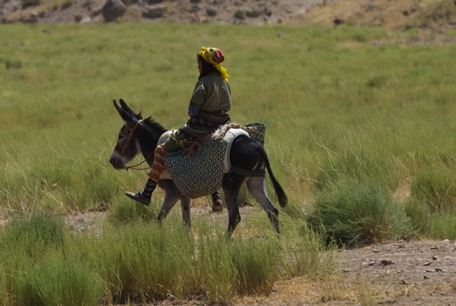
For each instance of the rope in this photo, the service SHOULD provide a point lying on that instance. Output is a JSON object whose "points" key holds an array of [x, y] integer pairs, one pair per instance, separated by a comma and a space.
{"points": [[135, 167]]}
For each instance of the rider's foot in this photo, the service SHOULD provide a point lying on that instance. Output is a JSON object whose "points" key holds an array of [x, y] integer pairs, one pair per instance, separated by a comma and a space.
{"points": [[139, 197], [217, 206], [145, 195]]}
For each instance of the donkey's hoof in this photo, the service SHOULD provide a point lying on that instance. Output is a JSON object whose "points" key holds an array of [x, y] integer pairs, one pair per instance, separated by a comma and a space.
{"points": [[137, 196], [217, 206]]}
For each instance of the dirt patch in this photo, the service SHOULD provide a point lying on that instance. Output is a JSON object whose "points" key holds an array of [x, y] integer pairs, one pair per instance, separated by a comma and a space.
{"points": [[435, 15], [405, 273], [396, 273]]}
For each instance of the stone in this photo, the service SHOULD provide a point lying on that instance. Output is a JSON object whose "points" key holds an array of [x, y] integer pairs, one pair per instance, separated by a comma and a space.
{"points": [[113, 9], [154, 11]]}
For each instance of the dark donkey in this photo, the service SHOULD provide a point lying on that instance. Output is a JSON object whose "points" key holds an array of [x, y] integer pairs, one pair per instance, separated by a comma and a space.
{"points": [[248, 158]]}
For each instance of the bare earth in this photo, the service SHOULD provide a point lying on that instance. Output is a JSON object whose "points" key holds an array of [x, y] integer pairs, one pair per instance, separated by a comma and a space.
{"points": [[396, 273]]}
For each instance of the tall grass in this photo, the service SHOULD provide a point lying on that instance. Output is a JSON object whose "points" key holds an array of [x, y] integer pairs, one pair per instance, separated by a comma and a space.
{"points": [[436, 188], [350, 116], [56, 281], [430, 223], [32, 236], [247, 266], [35, 266], [137, 262], [147, 263], [339, 105]]}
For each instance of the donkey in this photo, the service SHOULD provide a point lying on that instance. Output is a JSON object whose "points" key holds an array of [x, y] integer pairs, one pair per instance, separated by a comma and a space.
{"points": [[247, 157]]}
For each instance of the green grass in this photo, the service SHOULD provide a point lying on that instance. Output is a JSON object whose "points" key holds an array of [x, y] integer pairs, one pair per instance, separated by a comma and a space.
{"points": [[350, 117], [352, 214], [42, 264]]}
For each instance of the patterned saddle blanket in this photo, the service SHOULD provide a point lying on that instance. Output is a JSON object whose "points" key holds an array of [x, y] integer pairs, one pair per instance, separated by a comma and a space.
{"points": [[201, 173]]}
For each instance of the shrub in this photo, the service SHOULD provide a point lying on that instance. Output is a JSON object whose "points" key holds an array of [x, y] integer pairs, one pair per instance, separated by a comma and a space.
{"points": [[354, 213], [439, 11], [31, 236], [239, 14], [13, 64], [304, 253], [244, 266], [27, 3], [54, 281], [255, 261], [215, 272], [146, 262]]}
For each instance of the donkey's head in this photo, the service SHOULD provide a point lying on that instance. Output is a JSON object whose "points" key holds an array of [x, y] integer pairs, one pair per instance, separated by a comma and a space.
{"points": [[127, 146]]}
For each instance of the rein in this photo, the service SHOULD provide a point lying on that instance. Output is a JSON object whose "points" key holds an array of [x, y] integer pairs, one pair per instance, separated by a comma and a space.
{"points": [[127, 143], [135, 167]]}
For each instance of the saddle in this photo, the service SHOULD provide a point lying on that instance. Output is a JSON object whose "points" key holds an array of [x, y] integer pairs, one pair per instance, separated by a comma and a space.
{"points": [[200, 173]]}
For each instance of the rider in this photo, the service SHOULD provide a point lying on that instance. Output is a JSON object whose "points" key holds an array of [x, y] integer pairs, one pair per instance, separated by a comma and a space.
{"points": [[208, 109]]}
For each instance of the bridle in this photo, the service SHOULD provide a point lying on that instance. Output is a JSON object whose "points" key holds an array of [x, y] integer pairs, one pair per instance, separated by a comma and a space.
{"points": [[131, 132]]}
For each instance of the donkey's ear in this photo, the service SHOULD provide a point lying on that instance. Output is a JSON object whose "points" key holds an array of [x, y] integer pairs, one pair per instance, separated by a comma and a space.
{"points": [[127, 117], [116, 105], [126, 107]]}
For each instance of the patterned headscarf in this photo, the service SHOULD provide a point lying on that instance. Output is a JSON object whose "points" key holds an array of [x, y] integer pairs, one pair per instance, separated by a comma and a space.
{"points": [[215, 57]]}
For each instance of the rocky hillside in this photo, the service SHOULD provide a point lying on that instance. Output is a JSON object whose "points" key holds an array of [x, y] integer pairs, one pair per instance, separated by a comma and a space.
{"points": [[194, 11], [438, 15]]}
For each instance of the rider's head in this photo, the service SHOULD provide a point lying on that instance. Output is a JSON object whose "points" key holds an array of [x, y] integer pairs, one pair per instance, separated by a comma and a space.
{"points": [[210, 60]]}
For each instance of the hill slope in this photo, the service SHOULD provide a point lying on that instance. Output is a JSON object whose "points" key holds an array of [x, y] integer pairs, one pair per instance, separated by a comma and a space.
{"points": [[438, 15]]}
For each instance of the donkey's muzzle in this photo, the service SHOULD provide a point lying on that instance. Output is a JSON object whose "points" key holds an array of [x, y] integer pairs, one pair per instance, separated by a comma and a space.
{"points": [[116, 162]]}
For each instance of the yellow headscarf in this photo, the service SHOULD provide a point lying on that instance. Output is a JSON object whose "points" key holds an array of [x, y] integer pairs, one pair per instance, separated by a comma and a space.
{"points": [[215, 57]]}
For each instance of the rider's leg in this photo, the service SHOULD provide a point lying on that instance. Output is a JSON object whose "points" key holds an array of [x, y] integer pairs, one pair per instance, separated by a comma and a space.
{"points": [[144, 196], [175, 143]]}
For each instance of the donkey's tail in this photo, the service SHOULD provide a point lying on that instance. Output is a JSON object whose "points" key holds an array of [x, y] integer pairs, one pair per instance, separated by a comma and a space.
{"points": [[280, 193]]}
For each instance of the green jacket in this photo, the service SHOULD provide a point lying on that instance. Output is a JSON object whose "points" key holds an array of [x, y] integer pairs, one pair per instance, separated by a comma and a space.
{"points": [[211, 93]]}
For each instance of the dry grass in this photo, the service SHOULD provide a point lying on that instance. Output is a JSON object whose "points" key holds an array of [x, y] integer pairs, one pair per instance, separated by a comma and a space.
{"points": [[392, 15]]}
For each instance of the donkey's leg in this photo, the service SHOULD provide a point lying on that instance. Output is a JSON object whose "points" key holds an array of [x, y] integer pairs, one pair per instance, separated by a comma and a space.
{"points": [[185, 208], [172, 195], [231, 186], [171, 198], [257, 188]]}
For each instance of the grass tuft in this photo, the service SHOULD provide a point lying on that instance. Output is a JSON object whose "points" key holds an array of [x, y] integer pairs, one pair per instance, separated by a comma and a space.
{"points": [[54, 281], [32, 235], [437, 188], [352, 214]]}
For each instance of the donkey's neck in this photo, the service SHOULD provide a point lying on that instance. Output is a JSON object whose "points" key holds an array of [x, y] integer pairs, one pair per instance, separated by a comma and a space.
{"points": [[148, 137]]}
